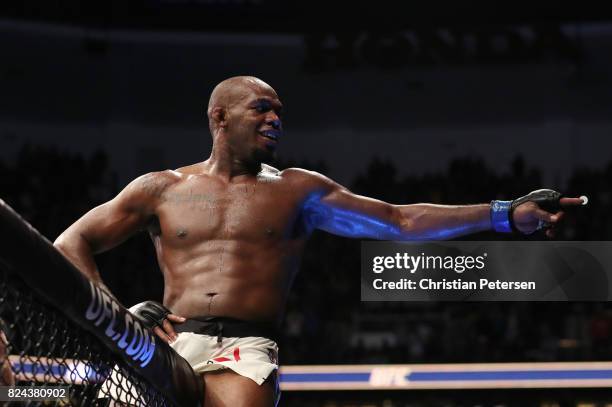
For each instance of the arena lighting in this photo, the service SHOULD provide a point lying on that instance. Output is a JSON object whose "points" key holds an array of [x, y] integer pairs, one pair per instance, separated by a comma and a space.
{"points": [[397, 48], [447, 376]]}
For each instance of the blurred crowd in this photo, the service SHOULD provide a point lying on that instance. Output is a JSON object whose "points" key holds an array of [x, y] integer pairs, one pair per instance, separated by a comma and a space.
{"points": [[326, 323]]}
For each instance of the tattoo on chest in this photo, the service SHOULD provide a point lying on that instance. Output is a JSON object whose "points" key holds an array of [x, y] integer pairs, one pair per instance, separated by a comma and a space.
{"points": [[238, 196], [208, 200]]}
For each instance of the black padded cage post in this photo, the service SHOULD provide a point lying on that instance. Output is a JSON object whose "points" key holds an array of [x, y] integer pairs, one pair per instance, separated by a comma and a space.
{"points": [[59, 328]]}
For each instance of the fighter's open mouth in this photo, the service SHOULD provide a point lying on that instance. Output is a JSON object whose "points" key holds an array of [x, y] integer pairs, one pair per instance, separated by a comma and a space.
{"points": [[271, 134]]}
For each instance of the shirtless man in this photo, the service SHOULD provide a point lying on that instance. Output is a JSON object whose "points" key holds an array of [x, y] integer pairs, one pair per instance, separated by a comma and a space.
{"points": [[229, 233]]}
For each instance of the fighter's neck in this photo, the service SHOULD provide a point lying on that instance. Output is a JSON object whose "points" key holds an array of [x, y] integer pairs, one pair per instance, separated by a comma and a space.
{"points": [[224, 164]]}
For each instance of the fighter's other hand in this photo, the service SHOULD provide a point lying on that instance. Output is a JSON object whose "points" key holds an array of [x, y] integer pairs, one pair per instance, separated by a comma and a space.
{"points": [[541, 209], [158, 318]]}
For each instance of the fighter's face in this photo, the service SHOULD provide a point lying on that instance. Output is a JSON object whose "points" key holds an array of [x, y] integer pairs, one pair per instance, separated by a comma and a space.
{"points": [[254, 125]]}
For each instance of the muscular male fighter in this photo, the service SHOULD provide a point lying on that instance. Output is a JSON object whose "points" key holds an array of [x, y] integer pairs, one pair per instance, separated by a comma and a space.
{"points": [[229, 233]]}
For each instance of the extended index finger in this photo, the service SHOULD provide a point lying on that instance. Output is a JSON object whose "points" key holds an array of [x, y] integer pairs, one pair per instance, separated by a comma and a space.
{"points": [[570, 201]]}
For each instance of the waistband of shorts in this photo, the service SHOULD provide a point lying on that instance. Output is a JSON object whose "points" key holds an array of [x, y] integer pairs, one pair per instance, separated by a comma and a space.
{"points": [[227, 327]]}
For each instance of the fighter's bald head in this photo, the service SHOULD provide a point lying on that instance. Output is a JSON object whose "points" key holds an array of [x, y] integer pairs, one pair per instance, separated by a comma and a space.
{"points": [[232, 91]]}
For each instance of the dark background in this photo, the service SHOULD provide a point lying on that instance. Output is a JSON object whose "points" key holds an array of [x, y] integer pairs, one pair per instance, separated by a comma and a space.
{"points": [[428, 103]]}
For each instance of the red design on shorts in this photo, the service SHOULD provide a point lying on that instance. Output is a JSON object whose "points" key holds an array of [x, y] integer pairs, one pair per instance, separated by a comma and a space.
{"points": [[224, 359], [221, 359]]}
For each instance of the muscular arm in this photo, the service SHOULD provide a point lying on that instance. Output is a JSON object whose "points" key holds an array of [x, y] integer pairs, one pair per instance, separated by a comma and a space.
{"points": [[335, 209], [109, 224]]}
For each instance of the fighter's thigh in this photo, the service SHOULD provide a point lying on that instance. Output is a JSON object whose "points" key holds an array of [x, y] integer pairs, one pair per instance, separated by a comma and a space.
{"points": [[228, 389]]}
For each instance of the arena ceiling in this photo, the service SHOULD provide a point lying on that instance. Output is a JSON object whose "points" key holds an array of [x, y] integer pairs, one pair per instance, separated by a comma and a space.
{"points": [[278, 16]]}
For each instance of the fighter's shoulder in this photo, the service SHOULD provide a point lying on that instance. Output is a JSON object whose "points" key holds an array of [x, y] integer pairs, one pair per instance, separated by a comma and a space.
{"points": [[307, 178], [154, 184]]}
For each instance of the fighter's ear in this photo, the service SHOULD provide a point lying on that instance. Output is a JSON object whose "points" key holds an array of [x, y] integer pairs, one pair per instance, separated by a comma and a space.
{"points": [[219, 115]]}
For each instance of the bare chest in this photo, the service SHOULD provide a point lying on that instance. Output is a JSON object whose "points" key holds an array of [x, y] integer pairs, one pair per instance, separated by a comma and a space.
{"points": [[196, 210]]}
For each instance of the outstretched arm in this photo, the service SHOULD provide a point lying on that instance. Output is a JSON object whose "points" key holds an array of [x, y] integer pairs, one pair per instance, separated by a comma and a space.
{"points": [[335, 209], [111, 223]]}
